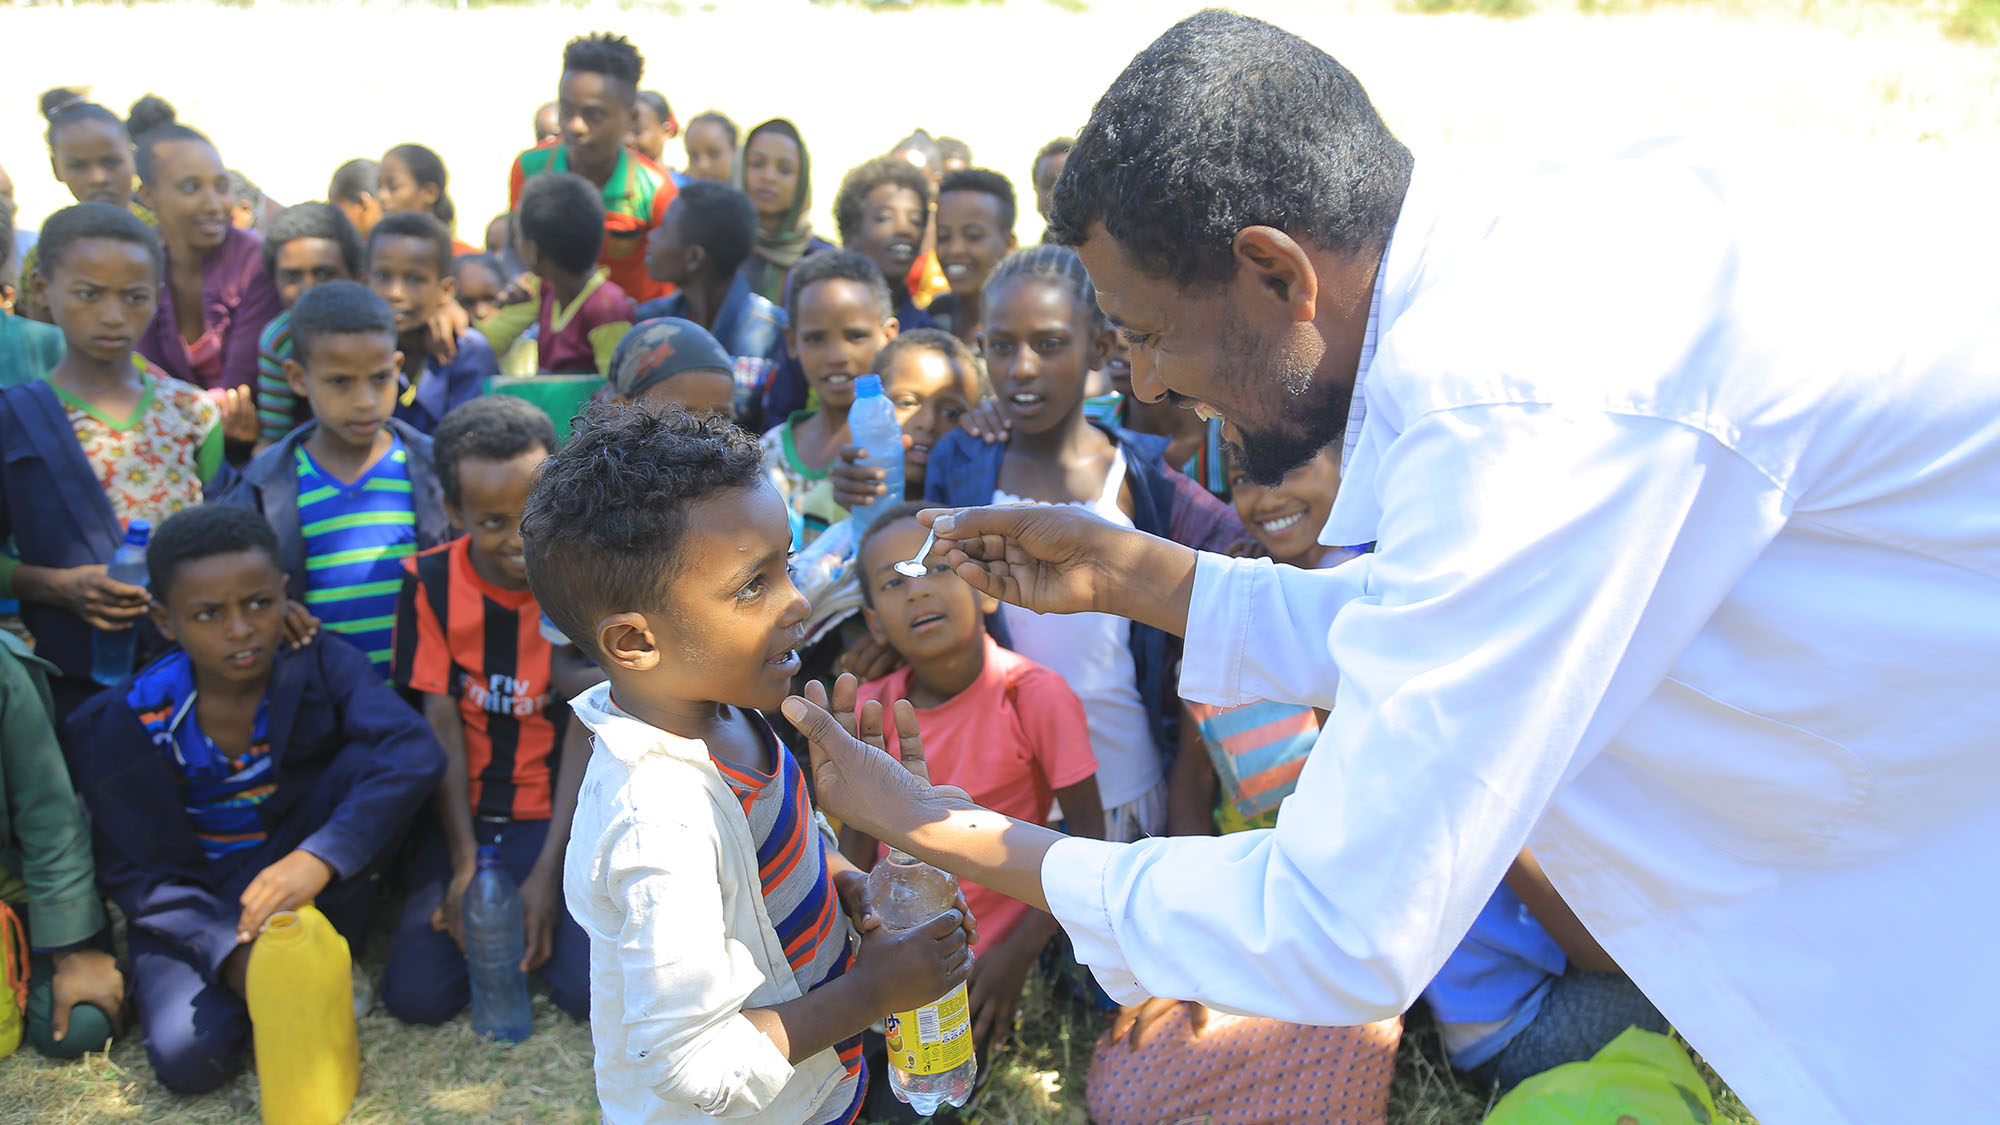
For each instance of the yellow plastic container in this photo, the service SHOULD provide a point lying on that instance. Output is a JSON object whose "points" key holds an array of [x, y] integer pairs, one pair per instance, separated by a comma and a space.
{"points": [[302, 1017]]}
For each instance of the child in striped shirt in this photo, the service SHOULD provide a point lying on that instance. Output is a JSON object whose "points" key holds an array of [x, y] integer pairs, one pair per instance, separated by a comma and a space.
{"points": [[732, 968], [352, 494]]}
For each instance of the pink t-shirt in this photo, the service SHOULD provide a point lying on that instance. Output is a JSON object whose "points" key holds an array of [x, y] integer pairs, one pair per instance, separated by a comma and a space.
{"points": [[1010, 740]]}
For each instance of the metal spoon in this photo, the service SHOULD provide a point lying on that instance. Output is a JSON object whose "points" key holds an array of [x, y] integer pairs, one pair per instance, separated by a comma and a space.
{"points": [[915, 568]]}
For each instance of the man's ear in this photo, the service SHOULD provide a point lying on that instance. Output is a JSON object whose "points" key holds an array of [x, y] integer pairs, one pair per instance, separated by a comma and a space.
{"points": [[159, 614], [448, 286], [874, 625], [697, 259], [295, 375], [1277, 268], [890, 328], [627, 640]]}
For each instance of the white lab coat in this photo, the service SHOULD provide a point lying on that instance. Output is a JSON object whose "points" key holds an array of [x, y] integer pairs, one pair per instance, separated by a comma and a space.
{"points": [[1687, 491]]}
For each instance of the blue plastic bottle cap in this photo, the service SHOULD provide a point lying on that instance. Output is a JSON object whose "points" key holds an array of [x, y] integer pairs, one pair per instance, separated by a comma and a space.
{"points": [[489, 855], [138, 532], [868, 386]]}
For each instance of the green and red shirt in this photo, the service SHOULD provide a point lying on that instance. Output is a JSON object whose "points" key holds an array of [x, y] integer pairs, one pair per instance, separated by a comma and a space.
{"points": [[635, 199]]}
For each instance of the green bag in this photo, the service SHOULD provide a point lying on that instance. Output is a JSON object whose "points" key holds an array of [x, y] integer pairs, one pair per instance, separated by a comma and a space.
{"points": [[1639, 1078], [561, 397]]}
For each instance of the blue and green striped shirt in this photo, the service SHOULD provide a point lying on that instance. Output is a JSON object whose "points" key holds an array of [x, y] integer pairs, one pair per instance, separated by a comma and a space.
{"points": [[357, 536]]}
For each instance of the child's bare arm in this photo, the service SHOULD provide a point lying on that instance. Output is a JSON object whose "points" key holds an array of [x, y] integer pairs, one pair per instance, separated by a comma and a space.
{"points": [[1548, 907], [893, 973], [857, 847], [1083, 808], [541, 891], [1190, 785], [454, 810]]}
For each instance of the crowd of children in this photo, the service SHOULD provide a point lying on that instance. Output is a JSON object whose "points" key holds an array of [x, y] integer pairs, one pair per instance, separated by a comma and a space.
{"points": [[394, 618]]}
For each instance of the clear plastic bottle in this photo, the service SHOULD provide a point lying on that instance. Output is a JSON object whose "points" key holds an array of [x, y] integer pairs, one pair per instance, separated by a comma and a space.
{"points": [[930, 1049], [112, 651], [872, 423], [301, 999], [495, 941]]}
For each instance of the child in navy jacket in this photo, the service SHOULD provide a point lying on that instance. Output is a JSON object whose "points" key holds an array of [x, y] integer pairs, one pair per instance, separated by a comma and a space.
{"points": [[233, 778]]}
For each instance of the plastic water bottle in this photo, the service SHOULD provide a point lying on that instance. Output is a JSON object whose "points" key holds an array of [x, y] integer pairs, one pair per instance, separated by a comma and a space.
{"points": [[112, 651], [872, 422], [495, 941], [930, 1049]]}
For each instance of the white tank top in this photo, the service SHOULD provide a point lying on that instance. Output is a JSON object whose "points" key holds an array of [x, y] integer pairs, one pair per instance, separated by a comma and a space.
{"points": [[1093, 652]]}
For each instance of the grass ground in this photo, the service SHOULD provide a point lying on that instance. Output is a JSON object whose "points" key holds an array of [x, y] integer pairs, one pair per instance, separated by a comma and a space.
{"points": [[422, 1075]]}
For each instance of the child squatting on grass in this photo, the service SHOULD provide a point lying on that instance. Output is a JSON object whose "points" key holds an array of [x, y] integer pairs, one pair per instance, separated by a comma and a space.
{"points": [[733, 966]]}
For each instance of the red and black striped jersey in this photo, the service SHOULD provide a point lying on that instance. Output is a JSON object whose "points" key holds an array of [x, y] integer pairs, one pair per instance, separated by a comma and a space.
{"points": [[459, 635]]}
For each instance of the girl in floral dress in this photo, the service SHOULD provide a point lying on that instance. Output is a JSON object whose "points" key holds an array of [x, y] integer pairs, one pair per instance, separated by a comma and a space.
{"points": [[101, 442]]}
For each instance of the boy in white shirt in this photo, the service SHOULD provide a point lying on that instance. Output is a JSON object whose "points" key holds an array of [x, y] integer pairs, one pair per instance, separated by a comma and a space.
{"points": [[727, 977]]}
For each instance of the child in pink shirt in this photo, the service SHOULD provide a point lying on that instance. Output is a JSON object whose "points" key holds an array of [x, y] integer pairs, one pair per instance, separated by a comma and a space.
{"points": [[999, 726]]}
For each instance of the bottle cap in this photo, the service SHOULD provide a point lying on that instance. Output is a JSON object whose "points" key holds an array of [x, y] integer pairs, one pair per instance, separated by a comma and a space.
{"points": [[868, 386], [138, 532], [489, 855]]}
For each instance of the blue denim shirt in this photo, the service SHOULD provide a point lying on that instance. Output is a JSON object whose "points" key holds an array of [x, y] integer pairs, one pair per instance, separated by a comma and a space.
{"points": [[751, 329]]}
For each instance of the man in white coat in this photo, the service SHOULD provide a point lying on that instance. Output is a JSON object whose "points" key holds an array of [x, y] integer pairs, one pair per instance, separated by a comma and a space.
{"points": [[1685, 483]]}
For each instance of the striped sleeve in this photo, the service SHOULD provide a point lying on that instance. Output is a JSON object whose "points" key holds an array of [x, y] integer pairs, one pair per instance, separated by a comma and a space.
{"points": [[422, 660], [276, 403]]}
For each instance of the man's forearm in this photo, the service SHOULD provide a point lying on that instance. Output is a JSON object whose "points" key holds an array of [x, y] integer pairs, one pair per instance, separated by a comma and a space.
{"points": [[1151, 581], [985, 847]]}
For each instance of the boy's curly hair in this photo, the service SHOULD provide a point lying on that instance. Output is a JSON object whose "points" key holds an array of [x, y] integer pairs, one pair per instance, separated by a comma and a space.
{"points": [[851, 201], [604, 523]]}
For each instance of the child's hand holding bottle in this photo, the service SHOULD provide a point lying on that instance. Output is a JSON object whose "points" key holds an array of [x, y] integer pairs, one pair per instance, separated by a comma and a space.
{"points": [[907, 970]]}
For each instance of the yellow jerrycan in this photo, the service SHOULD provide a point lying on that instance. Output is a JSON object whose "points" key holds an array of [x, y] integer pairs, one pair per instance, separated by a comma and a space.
{"points": [[302, 1018]]}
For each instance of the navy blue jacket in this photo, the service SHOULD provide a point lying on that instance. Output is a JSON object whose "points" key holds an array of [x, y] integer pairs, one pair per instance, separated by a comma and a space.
{"points": [[964, 471], [354, 764], [269, 485], [58, 515]]}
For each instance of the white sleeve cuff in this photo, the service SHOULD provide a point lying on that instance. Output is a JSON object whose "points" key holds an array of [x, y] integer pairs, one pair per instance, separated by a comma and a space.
{"points": [[1218, 629], [1073, 882]]}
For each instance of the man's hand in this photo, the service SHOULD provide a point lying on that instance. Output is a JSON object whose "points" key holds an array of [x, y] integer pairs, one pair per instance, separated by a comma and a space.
{"points": [[853, 779], [239, 414], [449, 917], [85, 976], [285, 885], [447, 324], [541, 906], [92, 595], [300, 624], [1061, 559]]}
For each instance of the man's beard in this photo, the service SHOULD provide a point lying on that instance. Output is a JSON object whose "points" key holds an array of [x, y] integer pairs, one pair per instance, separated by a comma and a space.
{"points": [[1313, 417]]}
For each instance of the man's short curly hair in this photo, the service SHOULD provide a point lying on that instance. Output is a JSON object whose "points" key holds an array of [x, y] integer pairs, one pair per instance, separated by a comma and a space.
{"points": [[604, 523], [613, 56], [1227, 122], [852, 199]]}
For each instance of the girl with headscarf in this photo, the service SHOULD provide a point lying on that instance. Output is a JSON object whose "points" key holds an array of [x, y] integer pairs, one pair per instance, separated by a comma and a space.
{"points": [[775, 171]]}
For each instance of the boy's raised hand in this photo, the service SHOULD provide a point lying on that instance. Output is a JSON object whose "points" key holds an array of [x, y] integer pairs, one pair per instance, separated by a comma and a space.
{"points": [[986, 421], [285, 885], [239, 414]]}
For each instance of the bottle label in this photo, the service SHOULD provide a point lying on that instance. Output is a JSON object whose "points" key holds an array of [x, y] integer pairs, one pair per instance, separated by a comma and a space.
{"points": [[932, 1039]]}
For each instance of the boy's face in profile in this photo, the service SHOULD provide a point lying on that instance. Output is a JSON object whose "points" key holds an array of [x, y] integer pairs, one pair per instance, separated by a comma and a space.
{"points": [[305, 262], [667, 251], [492, 495], [1047, 171], [921, 618], [479, 290], [931, 393], [891, 231], [733, 620], [350, 379], [228, 612], [838, 331], [404, 272]]}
